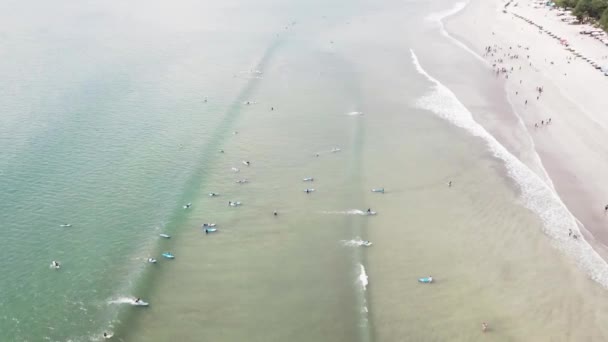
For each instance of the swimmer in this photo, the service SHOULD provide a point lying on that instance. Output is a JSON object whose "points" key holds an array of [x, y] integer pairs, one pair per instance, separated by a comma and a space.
{"points": [[275, 213]]}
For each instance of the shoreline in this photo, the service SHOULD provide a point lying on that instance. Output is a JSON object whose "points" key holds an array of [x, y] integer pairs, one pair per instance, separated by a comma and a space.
{"points": [[526, 59]]}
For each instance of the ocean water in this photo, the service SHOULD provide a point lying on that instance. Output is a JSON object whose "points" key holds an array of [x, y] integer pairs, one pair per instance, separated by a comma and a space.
{"points": [[114, 116]]}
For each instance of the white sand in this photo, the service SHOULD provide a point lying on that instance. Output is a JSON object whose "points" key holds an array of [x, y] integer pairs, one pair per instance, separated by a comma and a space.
{"points": [[574, 147]]}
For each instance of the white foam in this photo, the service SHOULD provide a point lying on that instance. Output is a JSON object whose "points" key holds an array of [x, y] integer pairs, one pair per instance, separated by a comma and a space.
{"points": [[537, 195], [363, 279], [356, 242], [347, 212], [122, 300]]}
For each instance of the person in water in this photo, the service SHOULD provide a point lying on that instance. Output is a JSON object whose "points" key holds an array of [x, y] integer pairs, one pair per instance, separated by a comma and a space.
{"points": [[138, 300], [449, 184], [606, 208], [275, 213]]}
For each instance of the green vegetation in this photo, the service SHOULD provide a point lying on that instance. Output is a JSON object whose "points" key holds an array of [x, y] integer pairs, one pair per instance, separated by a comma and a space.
{"points": [[588, 9]]}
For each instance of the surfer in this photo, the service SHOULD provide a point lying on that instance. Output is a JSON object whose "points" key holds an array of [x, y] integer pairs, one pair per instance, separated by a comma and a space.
{"points": [[138, 300], [106, 335], [229, 202], [369, 210]]}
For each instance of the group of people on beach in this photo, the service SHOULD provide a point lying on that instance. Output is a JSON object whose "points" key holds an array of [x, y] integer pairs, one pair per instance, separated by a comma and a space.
{"points": [[543, 123], [563, 42]]}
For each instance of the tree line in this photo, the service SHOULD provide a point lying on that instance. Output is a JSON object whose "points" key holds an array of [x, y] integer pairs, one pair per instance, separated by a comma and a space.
{"points": [[588, 9]]}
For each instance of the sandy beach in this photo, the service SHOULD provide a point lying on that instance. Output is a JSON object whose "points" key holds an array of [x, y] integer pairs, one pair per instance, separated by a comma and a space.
{"points": [[573, 145]]}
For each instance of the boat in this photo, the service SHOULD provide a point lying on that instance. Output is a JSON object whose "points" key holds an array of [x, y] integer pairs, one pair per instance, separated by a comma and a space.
{"points": [[152, 260], [308, 179], [213, 194], [245, 162], [234, 204], [66, 225], [166, 236], [234, 169], [366, 243], [208, 225], [378, 190], [335, 149], [210, 230], [140, 303], [168, 255], [187, 205], [309, 191], [242, 181], [370, 213], [55, 265], [426, 280]]}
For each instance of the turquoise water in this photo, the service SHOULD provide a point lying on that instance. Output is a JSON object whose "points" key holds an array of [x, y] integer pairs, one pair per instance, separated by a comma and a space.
{"points": [[105, 127], [102, 132]]}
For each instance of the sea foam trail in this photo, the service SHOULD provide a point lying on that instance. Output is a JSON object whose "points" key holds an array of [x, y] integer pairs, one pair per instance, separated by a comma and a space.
{"points": [[347, 212], [356, 242], [363, 279], [122, 300], [536, 194], [438, 17]]}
